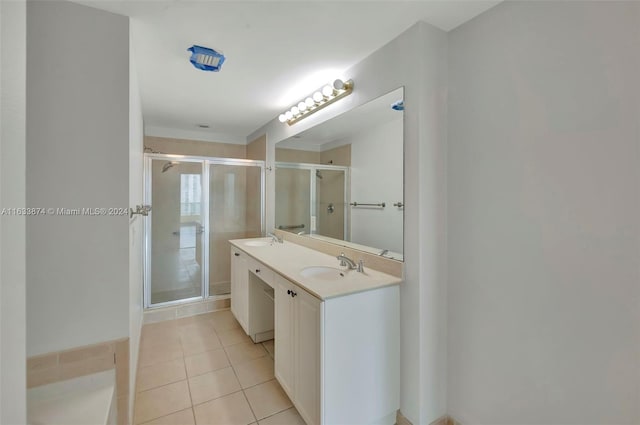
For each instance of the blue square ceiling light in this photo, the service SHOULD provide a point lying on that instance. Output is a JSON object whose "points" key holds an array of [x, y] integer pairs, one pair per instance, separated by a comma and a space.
{"points": [[205, 58]]}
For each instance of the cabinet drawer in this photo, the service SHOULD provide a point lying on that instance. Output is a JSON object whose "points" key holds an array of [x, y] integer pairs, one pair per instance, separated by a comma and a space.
{"points": [[262, 271]]}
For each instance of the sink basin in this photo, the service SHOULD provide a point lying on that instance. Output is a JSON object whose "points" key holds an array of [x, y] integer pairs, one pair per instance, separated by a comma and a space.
{"points": [[257, 243], [322, 272]]}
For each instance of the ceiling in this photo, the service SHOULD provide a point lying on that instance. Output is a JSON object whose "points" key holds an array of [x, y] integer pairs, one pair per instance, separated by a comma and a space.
{"points": [[276, 53]]}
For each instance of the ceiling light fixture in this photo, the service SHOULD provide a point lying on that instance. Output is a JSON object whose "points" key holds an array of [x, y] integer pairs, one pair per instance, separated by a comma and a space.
{"points": [[316, 101]]}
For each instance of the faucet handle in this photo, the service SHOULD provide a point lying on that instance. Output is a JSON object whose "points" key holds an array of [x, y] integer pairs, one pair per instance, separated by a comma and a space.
{"points": [[361, 266], [341, 257]]}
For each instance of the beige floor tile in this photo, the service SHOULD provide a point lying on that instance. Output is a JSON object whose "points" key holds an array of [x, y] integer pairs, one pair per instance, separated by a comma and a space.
{"points": [[267, 399], [270, 347], [151, 355], [255, 371], [183, 417], [233, 336], [213, 385], [288, 417], [185, 321], [206, 362], [229, 410], [165, 326], [202, 326], [161, 342], [243, 352], [224, 320], [199, 342], [160, 374], [162, 401], [158, 332]]}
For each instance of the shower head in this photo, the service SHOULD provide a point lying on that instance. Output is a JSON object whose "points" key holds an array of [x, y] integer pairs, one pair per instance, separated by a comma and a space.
{"points": [[318, 175], [168, 165]]}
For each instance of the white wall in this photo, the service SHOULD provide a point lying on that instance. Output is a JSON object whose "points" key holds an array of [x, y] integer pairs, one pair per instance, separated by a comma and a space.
{"points": [[77, 156], [136, 224], [544, 215], [376, 176], [12, 228], [416, 60]]}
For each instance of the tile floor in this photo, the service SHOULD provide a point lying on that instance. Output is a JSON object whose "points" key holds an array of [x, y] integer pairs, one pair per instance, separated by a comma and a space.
{"points": [[205, 370]]}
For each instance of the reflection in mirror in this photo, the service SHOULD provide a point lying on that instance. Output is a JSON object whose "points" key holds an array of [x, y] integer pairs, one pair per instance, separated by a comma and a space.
{"points": [[342, 180]]}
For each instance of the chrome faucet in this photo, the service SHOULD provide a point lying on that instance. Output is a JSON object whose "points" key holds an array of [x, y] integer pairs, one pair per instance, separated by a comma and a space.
{"points": [[348, 262], [274, 238]]}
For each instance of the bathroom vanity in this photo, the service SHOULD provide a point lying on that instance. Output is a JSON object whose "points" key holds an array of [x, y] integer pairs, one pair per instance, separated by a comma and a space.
{"points": [[337, 343]]}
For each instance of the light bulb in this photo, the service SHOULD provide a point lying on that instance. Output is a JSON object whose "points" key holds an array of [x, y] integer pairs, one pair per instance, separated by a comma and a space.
{"points": [[288, 115], [295, 111], [302, 106], [310, 103], [338, 84], [327, 90], [282, 118], [317, 97]]}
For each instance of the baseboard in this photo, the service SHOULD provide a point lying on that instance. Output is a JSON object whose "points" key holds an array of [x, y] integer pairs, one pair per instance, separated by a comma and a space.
{"points": [[161, 314]]}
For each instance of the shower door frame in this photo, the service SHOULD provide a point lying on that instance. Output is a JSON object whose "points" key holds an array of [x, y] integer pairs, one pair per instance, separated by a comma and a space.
{"points": [[206, 163], [312, 188]]}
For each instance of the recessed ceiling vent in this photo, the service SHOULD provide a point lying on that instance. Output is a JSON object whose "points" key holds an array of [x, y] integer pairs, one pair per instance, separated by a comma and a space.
{"points": [[205, 58]]}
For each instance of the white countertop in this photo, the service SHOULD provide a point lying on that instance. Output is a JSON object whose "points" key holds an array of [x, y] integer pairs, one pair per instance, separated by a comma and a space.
{"points": [[288, 259]]}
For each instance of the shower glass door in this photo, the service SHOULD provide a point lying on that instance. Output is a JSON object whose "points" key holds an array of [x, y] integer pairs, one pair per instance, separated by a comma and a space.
{"points": [[293, 199], [198, 205], [176, 230], [313, 198], [235, 212], [331, 203]]}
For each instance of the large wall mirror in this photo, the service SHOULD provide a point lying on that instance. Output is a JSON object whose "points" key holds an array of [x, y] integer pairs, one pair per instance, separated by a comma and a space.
{"points": [[342, 180]]}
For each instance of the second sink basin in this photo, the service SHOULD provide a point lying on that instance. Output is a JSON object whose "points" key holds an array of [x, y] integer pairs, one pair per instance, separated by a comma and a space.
{"points": [[259, 242], [322, 272]]}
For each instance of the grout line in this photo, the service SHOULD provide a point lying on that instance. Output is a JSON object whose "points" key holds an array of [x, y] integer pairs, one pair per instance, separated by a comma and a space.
{"points": [[284, 410], [243, 393], [184, 364], [250, 407], [162, 386], [260, 383], [217, 398], [193, 414], [169, 414]]}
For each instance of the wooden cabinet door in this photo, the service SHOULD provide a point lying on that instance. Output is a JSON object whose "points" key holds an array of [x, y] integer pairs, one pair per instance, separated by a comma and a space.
{"points": [[307, 351], [284, 319]]}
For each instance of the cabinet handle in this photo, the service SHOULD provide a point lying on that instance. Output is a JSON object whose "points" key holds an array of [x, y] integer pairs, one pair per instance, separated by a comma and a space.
{"points": [[236, 254], [257, 270]]}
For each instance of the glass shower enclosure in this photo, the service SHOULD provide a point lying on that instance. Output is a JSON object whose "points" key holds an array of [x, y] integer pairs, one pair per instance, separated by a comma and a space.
{"points": [[198, 205], [313, 199]]}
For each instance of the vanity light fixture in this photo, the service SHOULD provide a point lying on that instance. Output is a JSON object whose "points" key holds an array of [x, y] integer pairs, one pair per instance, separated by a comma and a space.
{"points": [[319, 99]]}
